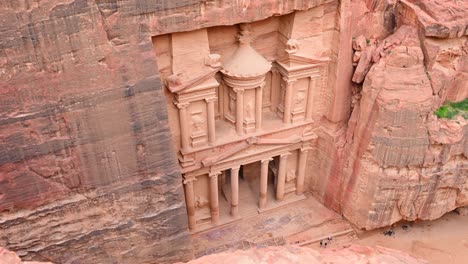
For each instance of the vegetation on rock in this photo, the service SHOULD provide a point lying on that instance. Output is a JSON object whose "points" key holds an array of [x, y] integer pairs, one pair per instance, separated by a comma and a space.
{"points": [[451, 109]]}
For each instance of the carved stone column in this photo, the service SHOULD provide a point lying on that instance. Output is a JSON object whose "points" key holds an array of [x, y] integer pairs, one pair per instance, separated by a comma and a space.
{"points": [[239, 111], [183, 120], [301, 171], [214, 200], [281, 176], [211, 120], [288, 101], [190, 202], [235, 192], [310, 97], [275, 88], [263, 183], [258, 107]]}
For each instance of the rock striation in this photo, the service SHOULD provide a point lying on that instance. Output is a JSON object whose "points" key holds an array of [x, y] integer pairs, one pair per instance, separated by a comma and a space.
{"points": [[87, 165], [404, 163], [88, 170]]}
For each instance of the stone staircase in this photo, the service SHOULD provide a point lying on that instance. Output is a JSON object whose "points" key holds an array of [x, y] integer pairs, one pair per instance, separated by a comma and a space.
{"points": [[335, 228]]}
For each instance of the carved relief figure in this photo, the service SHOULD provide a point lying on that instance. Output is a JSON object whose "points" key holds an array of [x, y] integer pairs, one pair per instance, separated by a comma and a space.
{"points": [[299, 100], [249, 110], [198, 122], [232, 104], [290, 175], [200, 202]]}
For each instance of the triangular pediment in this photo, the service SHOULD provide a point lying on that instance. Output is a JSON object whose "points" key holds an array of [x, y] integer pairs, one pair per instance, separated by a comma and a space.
{"points": [[180, 84]]}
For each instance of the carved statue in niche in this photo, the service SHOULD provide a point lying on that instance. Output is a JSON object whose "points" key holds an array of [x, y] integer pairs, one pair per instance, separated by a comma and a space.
{"points": [[290, 175], [282, 95], [299, 101], [249, 110], [200, 202], [198, 122], [232, 104]]}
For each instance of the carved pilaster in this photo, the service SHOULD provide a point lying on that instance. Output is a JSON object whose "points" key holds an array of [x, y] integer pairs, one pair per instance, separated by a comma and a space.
{"points": [[183, 122], [239, 111], [211, 119]]}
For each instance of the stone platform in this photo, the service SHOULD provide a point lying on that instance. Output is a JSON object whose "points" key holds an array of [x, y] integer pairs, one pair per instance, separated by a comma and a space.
{"points": [[305, 221]]}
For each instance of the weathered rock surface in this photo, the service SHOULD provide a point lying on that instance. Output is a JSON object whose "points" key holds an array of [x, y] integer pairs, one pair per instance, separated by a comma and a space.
{"points": [[87, 165], [9, 257], [403, 162], [292, 255]]}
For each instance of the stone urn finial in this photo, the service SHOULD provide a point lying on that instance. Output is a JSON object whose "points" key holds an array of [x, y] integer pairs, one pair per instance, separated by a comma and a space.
{"points": [[245, 36]]}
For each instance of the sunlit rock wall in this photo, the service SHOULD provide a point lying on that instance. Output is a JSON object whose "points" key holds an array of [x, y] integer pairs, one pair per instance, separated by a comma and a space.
{"points": [[88, 173], [402, 163]]}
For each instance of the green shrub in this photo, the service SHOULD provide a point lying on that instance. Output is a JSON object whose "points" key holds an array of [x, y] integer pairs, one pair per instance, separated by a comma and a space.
{"points": [[451, 109], [462, 105]]}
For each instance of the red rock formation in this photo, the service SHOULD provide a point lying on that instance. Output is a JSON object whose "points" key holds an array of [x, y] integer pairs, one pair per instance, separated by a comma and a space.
{"points": [[292, 255], [404, 163], [87, 165]]}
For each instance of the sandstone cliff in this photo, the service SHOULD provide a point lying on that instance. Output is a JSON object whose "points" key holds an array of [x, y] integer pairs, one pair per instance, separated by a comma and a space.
{"points": [[88, 173], [403, 162]]}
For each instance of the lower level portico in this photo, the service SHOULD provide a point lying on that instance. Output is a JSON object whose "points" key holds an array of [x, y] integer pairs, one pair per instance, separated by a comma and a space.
{"points": [[248, 183]]}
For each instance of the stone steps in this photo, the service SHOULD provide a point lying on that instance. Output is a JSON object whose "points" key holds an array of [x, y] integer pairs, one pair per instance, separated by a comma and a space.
{"points": [[333, 228]]}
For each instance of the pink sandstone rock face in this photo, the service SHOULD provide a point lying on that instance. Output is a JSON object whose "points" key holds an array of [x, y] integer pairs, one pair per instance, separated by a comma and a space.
{"points": [[291, 255], [9, 257], [87, 162], [403, 162]]}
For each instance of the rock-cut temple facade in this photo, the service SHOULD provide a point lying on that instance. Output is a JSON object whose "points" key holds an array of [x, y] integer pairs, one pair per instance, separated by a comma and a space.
{"points": [[243, 120]]}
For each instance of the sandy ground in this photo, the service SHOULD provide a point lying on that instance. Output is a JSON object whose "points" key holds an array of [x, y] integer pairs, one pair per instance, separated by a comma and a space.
{"points": [[443, 241]]}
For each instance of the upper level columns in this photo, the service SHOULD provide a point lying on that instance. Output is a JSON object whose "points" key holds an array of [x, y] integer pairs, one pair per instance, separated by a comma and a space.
{"points": [[258, 106], [211, 119], [183, 121], [313, 80], [239, 111], [288, 101]]}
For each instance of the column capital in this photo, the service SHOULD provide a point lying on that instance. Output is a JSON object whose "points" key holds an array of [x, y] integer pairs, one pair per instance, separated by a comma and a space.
{"points": [[288, 81], [239, 90], [189, 180], [285, 155], [235, 167], [266, 160], [182, 105], [304, 149], [213, 174], [211, 99]]}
